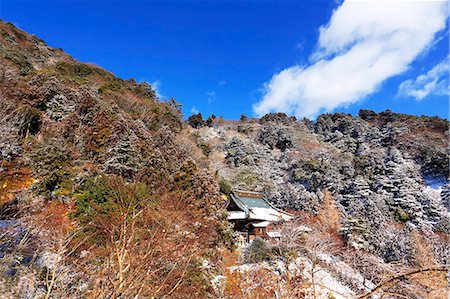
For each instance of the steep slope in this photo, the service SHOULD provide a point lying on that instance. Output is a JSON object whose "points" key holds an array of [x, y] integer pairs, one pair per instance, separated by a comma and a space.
{"points": [[97, 198], [384, 172]]}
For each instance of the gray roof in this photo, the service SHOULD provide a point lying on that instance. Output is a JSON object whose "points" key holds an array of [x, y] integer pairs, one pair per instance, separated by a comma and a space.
{"points": [[254, 202]]}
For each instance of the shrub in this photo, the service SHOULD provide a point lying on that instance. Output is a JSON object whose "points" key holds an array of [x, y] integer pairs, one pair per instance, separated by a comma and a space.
{"points": [[78, 72], [225, 187], [275, 137], [277, 117], [225, 233], [50, 162], [73, 69], [258, 251], [175, 106], [247, 179], [400, 214], [206, 149], [282, 251], [183, 177], [210, 120], [29, 120], [17, 32], [366, 114], [196, 121], [145, 90], [113, 85], [18, 58], [310, 174], [245, 128], [103, 203], [124, 158], [162, 116]]}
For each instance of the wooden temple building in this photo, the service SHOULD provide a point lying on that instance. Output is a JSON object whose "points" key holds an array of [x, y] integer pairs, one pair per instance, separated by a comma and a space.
{"points": [[252, 215]]}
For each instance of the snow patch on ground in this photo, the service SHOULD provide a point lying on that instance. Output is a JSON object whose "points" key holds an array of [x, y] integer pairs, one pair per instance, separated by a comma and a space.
{"points": [[326, 284]]}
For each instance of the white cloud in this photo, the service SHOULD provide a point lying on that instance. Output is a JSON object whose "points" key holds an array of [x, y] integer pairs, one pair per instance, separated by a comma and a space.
{"points": [[194, 110], [300, 45], [364, 43], [211, 96], [222, 82], [433, 82], [156, 85]]}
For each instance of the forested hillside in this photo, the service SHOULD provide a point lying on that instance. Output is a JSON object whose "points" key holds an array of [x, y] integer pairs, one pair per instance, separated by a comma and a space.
{"points": [[106, 192], [97, 199]]}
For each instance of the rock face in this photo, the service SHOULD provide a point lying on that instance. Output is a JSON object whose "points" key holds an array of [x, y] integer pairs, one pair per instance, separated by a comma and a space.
{"points": [[374, 164]]}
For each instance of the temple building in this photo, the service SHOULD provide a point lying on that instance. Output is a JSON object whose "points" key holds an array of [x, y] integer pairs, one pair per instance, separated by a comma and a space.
{"points": [[252, 215]]}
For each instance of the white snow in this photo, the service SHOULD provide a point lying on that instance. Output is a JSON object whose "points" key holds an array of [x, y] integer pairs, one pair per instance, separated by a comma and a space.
{"points": [[234, 215], [268, 214]]}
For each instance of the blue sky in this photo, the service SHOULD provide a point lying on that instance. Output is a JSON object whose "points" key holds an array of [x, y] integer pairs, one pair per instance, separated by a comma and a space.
{"points": [[253, 57]]}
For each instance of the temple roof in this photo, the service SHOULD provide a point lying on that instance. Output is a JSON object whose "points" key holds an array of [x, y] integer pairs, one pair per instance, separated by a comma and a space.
{"points": [[255, 207]]}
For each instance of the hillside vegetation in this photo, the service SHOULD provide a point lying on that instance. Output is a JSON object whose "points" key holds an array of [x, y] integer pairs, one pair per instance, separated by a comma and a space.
{"points": [[98, 200], [368, 185], [105, 192]]}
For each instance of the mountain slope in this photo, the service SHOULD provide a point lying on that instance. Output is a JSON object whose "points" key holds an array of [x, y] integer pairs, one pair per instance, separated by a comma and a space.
{"points": [[98, 199], [106, 192], [384, 173], [377, 166]]}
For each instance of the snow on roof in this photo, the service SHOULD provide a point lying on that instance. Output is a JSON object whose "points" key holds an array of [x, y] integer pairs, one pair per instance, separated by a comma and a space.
{"points": [[261, 224], [258, 208], [268, 214], [235, 215]]}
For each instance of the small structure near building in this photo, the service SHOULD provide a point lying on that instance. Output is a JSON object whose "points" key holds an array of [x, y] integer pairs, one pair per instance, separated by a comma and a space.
{"points": [[252, 215]]}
